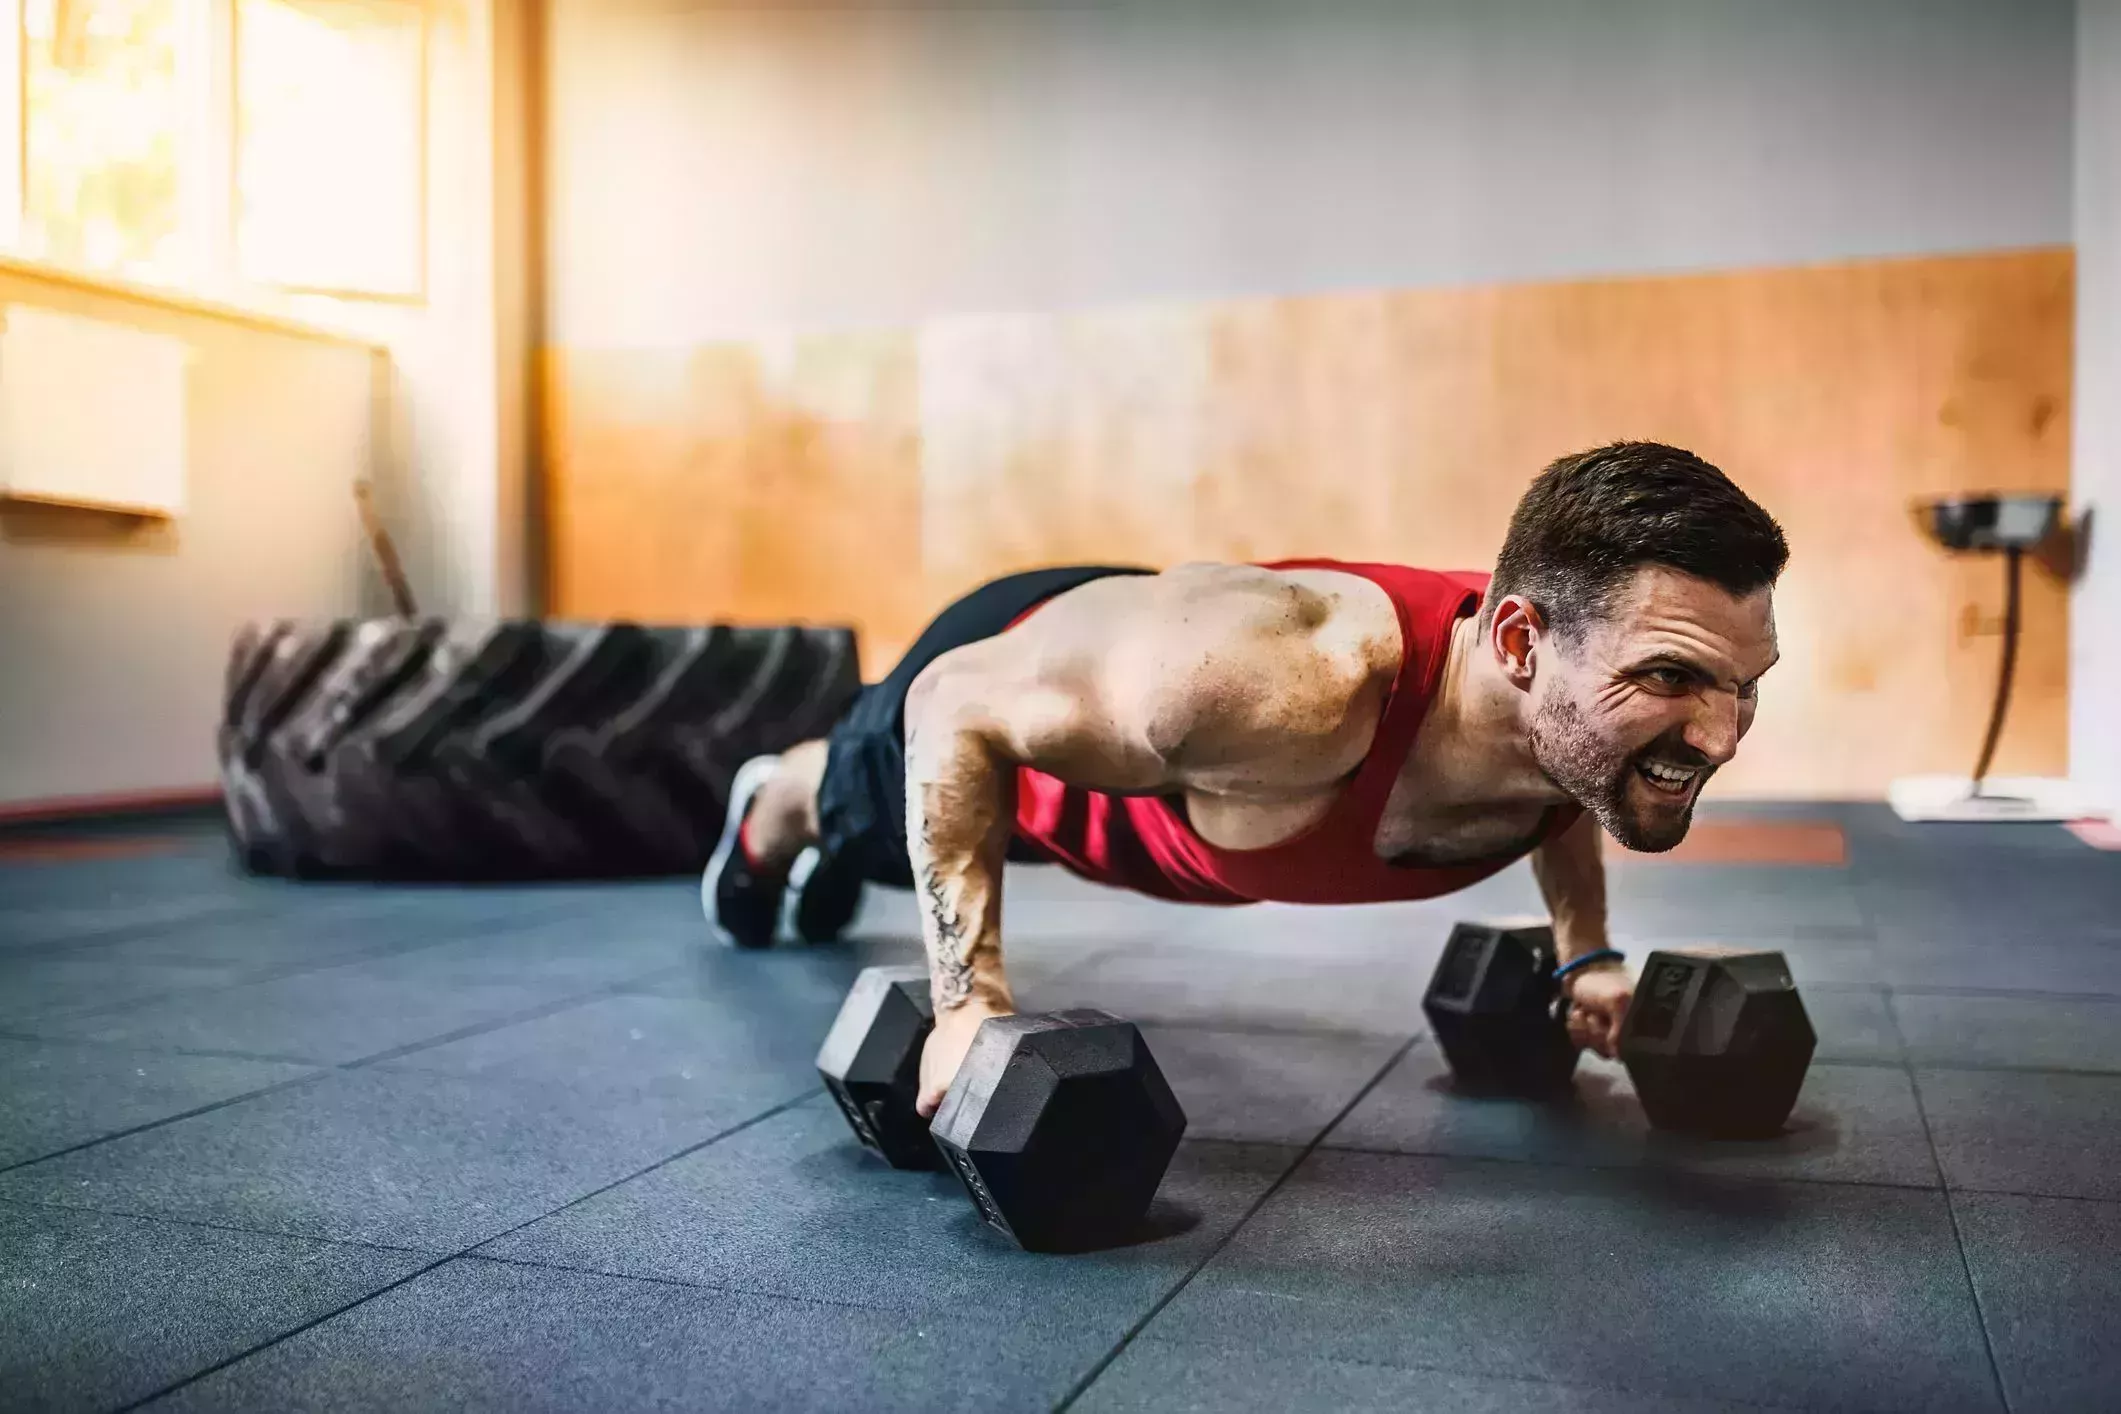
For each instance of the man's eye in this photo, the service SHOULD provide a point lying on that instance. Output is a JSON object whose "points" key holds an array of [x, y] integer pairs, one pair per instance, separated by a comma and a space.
{"points": [[1750, 692], [1669, 677]]}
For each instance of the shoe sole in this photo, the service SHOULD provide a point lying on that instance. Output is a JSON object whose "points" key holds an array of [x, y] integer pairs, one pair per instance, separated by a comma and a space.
{"points": [[800, 874], [749, 777]]}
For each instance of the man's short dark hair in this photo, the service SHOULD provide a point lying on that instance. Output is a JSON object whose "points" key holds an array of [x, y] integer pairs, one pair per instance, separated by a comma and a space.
{"points": [[1589, 521]]}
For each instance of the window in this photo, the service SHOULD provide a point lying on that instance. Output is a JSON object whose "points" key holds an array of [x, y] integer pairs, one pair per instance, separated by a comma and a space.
{"points": [[329, 178], [99, 153], [218, 145]]}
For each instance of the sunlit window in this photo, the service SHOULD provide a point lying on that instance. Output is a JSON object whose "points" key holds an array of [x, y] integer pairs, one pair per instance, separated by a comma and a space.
{"points": [[328, 170], [102, 117], [229, 147]]}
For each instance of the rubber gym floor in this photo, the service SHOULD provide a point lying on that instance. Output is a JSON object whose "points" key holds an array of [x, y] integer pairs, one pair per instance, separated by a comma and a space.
{"points": [[275, 1146]]}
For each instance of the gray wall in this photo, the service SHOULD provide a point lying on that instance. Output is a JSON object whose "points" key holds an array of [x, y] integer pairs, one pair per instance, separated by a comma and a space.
{"points": [[720, 169], [2095, 619]]}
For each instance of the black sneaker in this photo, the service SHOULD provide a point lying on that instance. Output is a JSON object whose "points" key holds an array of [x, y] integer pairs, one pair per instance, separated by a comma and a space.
{"points": [[743, 907], [824, 893]]}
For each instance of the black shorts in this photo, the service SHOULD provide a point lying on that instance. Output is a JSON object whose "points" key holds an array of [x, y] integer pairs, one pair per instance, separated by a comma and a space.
{"points": [[861, 803]]}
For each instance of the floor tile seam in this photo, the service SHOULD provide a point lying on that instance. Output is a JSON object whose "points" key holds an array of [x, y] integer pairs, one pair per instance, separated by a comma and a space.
{"points": [[445, 1258], [1933, 1067], [260, 1347], [1395, 1038], [1429, 1367], [87, 1043], [1090, 1377], [119, 934], [539, 1012], [281, 974], [1996, 993], [1627, 1166], [321, 1071], [168, 1220], [314, 1077], [1965, 1191], [1966, 1261], [726, 1288]]}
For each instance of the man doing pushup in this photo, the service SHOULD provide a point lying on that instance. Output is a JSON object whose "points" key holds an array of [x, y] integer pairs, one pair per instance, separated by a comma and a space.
{"points": [[1305, 731]]}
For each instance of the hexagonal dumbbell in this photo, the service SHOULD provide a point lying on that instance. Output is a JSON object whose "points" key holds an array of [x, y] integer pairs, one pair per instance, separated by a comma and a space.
{"points": [[871, 1063], [1495, 1010], [1061, 1127], [1717, 1042]]}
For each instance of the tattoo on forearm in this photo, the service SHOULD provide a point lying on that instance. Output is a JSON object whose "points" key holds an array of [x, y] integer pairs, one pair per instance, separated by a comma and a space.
{"points": [[952, 958], [951, 822]]}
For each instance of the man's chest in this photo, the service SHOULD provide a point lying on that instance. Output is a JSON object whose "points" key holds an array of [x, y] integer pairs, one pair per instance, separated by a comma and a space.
{"points": [[1417, 832]]}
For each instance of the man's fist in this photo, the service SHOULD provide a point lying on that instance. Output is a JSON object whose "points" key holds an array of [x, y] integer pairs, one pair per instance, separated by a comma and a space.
{"points": [[1598, 1004], [945, 1052]]}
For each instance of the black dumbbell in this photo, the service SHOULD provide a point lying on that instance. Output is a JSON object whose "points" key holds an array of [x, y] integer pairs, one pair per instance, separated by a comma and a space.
{"points": [[871, 1063], [1060, 1126], [1496, 1011], [1717, 1043]]}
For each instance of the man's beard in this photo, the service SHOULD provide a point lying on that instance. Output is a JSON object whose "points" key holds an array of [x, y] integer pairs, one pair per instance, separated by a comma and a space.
{"points": [[1573, 757]]}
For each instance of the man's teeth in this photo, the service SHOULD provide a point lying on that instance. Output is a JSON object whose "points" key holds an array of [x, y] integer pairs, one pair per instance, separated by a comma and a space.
{"points": [[1673, 777]]}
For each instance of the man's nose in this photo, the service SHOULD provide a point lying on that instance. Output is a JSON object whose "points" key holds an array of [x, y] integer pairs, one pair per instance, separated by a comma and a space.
{"points": [[1713, 730]]}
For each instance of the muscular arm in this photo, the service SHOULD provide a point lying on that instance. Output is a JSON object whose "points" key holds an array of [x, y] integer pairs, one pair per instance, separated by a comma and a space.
{"points": [[1232, 682], [1572, 877]]}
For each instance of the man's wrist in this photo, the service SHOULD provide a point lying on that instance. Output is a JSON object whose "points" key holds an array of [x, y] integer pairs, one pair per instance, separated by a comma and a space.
{"points": [[1600, 959], [987, 996], [1571, 943]]}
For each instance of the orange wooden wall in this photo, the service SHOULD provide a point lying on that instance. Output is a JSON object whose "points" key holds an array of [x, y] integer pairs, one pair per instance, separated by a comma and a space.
{"points": [[866, 478]]}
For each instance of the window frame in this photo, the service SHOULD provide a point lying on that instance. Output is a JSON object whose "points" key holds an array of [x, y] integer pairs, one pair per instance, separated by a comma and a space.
{"points": [[208, 154]]}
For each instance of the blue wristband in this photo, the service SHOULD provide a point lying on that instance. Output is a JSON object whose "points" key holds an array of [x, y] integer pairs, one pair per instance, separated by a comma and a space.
{"points": [[1602, 955]]}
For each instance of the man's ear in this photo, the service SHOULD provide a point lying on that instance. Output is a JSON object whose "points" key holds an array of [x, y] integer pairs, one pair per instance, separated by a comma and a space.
{"points": [[1514, 635]]}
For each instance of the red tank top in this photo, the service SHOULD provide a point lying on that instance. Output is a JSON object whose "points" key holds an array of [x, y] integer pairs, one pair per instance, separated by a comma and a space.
{"points": [[1144, 842]]}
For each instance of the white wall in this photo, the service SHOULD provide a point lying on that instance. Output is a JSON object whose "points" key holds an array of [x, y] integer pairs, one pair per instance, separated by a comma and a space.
{"points": [[721, 169], [2095, 609], [114, 635], [456, 481]]}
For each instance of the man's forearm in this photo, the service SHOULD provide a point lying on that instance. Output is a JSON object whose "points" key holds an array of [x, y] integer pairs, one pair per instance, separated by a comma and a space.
{"points": [[1571, 877], [960, 808]]}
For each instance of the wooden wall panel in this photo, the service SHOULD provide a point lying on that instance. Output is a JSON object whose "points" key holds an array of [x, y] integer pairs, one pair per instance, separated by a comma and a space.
{"points": [[763, 484], [872, 478]]}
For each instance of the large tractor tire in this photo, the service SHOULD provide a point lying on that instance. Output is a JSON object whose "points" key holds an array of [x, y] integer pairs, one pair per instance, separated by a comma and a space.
{"points": [[447, 749]]}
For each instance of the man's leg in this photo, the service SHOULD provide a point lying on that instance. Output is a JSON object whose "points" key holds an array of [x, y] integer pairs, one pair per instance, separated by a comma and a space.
{"points": [[807, 829], [783, 818]]}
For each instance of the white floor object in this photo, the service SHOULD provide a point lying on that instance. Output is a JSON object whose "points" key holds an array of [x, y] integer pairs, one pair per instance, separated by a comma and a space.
{"points": [[2002, 798]]}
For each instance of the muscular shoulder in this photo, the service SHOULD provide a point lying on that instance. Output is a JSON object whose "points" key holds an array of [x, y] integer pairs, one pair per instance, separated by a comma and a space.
{"points": [[1234, 675]]}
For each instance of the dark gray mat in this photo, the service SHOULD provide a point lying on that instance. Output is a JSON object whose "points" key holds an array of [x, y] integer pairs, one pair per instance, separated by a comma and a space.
{"points": [[691, 1056], [477, 1335], [2049, 1274], [2077, 969], [330, 1016], [404, 1158], [57, 926], [2059, 1033], [98, 1310], [1152, 1376], [1719, 902], [1294, 991], [1852, 1124], [37, 989], [792, 1207], [55, 1094], [1854, 1025], [1810, 1294], [2026, 1132], [1834, 962], [1264, 1087]]}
